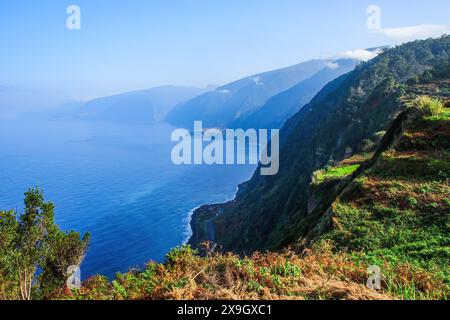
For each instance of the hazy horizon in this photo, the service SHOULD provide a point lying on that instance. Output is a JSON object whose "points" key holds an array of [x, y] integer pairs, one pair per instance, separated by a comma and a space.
{"points": [[146, 44]]}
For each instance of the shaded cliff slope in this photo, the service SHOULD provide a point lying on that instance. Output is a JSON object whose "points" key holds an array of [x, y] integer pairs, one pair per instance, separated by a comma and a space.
{"points": [[272, 212]]}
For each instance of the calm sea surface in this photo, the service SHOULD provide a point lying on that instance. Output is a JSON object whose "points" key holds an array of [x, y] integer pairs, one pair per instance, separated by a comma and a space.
{"points": [[115, 181]]}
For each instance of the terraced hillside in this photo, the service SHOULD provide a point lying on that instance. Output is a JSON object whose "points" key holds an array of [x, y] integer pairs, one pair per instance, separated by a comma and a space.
{"points": [[397, 210]]}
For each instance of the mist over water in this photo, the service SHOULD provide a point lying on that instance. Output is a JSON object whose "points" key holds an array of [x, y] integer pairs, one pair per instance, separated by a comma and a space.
{"points": [[115, 181]]}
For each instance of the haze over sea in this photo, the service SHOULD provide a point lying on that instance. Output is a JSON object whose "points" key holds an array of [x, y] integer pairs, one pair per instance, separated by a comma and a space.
{"points": [[116, 181]]}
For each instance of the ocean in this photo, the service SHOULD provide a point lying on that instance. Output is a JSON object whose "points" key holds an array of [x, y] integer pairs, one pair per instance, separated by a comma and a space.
{"points": [[115, 181]]}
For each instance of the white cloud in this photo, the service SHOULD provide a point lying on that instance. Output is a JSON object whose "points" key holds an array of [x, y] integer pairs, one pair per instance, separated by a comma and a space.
{"points": [[224, 91], [332, 65], [359, 54], [257, 81], [423, 31]]}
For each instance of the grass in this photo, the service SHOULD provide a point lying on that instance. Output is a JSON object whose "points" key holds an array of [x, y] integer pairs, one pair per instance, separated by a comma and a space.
{"points": [[443, 116], [334, 173], [397, 214], [426, 166], [314, 274]]}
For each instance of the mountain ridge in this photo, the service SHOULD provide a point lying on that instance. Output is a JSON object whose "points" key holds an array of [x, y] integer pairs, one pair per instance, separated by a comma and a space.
{"points": [[149, 105], [230, 104], [284, 105]]}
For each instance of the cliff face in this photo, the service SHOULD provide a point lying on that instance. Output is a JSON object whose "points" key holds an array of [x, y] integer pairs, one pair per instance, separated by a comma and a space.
{"points": [[345, 117], [385, 208]]}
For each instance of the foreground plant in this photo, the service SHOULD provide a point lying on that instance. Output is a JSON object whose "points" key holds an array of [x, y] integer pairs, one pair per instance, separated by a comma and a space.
{"points": [[35, 253]]}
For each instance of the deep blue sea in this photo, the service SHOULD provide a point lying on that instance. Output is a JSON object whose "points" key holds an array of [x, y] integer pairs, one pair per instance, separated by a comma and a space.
{"points": [[115, 181]]}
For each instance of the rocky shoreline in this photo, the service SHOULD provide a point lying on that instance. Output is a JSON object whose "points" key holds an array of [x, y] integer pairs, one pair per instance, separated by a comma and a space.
{"points": [[202, 220], [202, 223]]}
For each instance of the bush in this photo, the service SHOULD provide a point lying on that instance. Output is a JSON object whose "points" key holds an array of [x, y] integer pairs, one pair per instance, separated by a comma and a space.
{"points": [[34, 253], [182, 254], [429, 106]]}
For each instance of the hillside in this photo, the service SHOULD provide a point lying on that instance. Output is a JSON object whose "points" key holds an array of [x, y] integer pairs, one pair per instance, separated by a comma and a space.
{"points": [[233, 105], [283, 106], [392, 210], [270, 213]]}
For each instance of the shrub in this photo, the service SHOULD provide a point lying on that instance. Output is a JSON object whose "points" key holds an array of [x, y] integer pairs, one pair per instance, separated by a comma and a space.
{"points": [[428, 105]]}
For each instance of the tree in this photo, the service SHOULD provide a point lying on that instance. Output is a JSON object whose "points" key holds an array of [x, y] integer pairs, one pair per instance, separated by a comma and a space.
{"points": [[67, 249], [8, 233], [32, 243]]}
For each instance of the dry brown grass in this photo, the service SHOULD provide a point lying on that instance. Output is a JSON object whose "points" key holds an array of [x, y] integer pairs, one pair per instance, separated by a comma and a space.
{"points": [[315, 274]]}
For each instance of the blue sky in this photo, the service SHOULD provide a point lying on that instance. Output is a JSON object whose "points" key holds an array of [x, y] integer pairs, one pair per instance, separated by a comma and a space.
{"points": [[137, 44]]}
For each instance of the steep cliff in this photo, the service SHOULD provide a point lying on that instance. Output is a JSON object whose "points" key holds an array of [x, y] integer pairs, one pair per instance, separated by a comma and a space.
{"points": [[349, 113]]}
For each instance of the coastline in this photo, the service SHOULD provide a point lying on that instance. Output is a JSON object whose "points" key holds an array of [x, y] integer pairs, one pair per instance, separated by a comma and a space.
{"points": [[201, 227], [189, 232]]}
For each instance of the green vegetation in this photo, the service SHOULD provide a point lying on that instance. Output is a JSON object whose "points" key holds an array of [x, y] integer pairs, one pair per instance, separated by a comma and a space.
{"points": [[35, 254], [272, 212], [397, 214], [443, 116], [315, 274], [428, 105], [334, 173]]}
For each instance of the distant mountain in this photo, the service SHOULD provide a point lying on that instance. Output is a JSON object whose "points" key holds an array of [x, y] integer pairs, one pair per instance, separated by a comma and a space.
{"points": [[150, 105], [284, 105], [268, 99], [239, 99]]}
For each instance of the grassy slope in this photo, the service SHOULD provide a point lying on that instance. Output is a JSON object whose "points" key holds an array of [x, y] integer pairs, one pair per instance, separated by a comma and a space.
{"points": [[317, 274], [398, 212]]}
